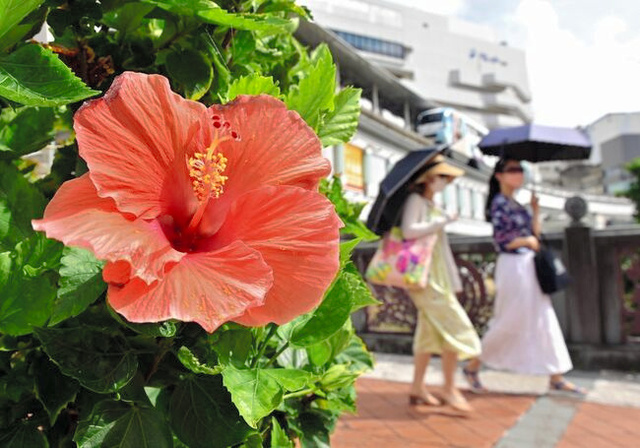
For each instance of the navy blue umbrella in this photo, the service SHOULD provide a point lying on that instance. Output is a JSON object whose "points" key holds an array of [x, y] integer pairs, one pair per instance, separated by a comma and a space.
{"points": [[394, 189], [537, 143]]}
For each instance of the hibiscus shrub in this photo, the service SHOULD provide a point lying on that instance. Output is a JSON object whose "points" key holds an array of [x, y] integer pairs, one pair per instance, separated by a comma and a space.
{"points": [[176, 278]]}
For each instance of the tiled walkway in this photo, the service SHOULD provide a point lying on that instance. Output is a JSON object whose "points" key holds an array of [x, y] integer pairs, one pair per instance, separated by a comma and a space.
{"points": [[521, 415], [386, 420], [597, 425]]}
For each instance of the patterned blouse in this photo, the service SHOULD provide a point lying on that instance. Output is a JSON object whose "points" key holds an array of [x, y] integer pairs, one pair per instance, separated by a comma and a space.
{"points": [[510, 220]]}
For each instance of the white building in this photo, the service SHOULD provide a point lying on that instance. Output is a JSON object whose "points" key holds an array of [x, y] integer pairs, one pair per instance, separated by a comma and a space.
{"points": [[616, 142], [450, 62]]}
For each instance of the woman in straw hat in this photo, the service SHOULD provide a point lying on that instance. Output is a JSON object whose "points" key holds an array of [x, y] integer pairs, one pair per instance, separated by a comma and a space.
{"points": [[443, 327]]}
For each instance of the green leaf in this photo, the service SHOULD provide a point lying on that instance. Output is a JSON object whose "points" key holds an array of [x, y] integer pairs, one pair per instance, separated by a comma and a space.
{"points": [[320, 353], [37, 254], [233, 346], [27, 293], [13, 11], [356, 356], [23, 435], [166, 329], [293, 358], [290, 379], [251, 22], [34, 76], [332, 313], [279, 438], [30, 131], [361, 295], [358, 229], [314, 94], [53, 389], [100, 359], [183, 7], [203, 416], [191, 362], [192, 70], [253, 441], [223, 74], [339, 125], [128, 18], [348, 211], [346, 249], [315, 427], [80, 283], [253, 84], [287, 6], [325, 351], [118, 424], [16, 382], [25, 30], [255, 393], [337, 377], [20, 202]]}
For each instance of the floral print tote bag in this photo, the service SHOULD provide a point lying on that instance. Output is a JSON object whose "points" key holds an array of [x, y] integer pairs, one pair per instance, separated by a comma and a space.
{"points": [[401, 263]]}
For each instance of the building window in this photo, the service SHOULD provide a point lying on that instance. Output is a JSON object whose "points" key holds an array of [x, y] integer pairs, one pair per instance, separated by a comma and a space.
{"points": [[450, 199], [353, 167], [478, 209], [464, 201], [375, 171], [373, 45]]}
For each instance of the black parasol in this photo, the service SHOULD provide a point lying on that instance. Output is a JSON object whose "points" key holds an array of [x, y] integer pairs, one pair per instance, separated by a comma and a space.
{"points": [[394, 188]]}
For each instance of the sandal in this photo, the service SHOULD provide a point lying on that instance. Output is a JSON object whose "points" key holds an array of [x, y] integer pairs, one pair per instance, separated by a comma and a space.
{"points": [[457, 402], [473, 379], [427, 399], [565, 386]]}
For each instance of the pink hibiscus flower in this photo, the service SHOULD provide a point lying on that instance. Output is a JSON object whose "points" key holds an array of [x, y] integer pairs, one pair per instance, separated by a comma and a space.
{"points": [[205, 215]]}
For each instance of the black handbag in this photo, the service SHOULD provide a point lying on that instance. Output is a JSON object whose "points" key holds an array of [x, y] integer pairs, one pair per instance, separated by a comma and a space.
{"points": [[551, 273]]}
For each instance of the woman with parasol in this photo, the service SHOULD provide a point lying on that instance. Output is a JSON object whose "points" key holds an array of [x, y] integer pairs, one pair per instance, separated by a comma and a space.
{"points": [[524, 335]]}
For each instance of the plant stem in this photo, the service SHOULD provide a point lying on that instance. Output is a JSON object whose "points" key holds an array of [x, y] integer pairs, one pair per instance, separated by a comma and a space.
{"points": [[278, 353], [165, 345], [263, 347], [300, 393]]}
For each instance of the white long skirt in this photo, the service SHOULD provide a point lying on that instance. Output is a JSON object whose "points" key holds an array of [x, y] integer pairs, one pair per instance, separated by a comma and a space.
{"points": [[524, 335]]}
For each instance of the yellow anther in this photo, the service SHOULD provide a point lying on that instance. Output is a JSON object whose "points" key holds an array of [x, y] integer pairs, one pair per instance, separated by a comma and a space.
{"points": [[205, 170]]}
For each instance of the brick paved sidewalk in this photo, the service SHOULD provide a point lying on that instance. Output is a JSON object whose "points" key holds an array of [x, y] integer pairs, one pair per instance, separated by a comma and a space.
{"points": [[519, 415], [386, 420], [598, 425]]}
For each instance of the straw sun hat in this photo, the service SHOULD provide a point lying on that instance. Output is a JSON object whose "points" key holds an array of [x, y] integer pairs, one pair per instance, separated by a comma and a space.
{"points": [[439, 166]]}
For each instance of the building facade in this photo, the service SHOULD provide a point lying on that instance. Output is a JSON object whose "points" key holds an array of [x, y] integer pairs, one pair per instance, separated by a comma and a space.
{"points": [[616, 142], [453, 63]]}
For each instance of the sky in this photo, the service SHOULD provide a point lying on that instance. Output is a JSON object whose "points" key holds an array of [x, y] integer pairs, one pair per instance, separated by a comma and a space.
{"points": [[583, 56]]}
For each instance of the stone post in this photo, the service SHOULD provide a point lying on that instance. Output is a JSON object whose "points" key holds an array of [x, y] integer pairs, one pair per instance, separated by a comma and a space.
{"points": [[583, 294]]}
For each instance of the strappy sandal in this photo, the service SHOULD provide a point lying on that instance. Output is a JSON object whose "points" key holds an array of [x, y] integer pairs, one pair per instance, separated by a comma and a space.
{"points": [[473, 379], [565, 386], [428, 399]]}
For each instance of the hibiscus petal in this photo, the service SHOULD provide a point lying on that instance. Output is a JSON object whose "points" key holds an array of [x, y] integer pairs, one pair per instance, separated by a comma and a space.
{"points": [[131, 137], [276, 147], [77, 216], [209, 288], [297, 233]]}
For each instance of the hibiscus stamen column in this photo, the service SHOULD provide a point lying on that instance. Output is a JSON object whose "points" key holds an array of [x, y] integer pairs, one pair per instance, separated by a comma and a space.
{"points": [[205, 170]]}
